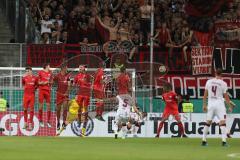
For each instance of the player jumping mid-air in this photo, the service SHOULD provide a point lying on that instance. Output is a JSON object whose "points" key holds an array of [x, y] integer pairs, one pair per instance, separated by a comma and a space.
{"points": [[30, 83], [125, 104], [98, 86], [83, 81], [45, 81], [62, 79]]}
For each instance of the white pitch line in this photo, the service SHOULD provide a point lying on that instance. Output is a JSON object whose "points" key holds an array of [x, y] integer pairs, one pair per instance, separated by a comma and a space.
{"points": [[234, 155]]}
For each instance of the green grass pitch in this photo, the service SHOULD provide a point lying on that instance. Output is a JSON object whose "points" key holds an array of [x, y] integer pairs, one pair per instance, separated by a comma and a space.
{"points": [[59, 148]]}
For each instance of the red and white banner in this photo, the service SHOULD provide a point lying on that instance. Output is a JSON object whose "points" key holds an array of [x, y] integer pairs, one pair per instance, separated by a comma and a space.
{"points": [[194, 86], [13, 124], [202, 60]]}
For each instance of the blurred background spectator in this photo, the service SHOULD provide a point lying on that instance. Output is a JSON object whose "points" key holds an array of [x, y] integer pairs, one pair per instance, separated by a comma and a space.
{"points": [[70, 21]]}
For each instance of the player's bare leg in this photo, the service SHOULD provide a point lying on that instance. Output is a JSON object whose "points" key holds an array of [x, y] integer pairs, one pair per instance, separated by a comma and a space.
{"points": [[160, 126], [58, 109], [40, 112], [48, 115], [205, 132]]}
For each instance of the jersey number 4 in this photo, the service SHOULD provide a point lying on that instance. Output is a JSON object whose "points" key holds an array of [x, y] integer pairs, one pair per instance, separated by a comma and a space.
{"points": [[214, 90]]}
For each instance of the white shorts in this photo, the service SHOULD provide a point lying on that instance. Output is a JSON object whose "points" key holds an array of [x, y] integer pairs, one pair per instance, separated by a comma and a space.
{"points": [[134, 117], [122, 116], [217, 110]]}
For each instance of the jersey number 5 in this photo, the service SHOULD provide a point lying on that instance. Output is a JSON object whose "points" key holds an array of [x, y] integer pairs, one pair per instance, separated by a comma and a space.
{"points": [[214, 90], [125, 104]]}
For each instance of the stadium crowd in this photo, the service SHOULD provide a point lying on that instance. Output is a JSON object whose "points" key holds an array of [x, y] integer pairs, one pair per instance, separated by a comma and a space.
{"points": [[74, 21]]}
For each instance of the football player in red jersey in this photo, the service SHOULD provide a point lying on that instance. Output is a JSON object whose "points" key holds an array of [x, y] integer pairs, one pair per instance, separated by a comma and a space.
{"points": [[171, 108], [30, 83], [98, 86], [123, 82], [45, 81], [63, 85], [83, 81]]}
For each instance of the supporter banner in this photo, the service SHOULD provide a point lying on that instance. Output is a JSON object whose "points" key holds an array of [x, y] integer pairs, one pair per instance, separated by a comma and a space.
{"points": [[227, 34], [228, 60], [193, 124], [37, 55], [225, 58], [202, 60], [199, 8], [13, 123], [194, 86]]}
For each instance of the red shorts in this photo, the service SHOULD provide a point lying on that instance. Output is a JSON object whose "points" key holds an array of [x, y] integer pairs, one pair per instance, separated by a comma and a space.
{"points": [[44, 94], [28, 101], [98, 93], [173, 112], [61, 98], [83, 101]]}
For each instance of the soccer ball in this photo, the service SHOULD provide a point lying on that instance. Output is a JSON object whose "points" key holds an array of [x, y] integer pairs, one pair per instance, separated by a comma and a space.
{"points": [[162, 69]]}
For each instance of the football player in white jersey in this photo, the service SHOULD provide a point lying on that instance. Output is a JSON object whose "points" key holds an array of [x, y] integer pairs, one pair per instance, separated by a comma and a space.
{"points": [[216, 92], [136, 121], [122, 119]]}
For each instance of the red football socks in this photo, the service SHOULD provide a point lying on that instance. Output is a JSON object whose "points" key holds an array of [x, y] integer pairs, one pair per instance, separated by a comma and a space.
{"points": [[25, 116], [160, 128], [31, 116], [40, 114]]}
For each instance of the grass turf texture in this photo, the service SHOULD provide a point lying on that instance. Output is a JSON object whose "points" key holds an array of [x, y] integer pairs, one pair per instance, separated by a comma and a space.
{"points": [[51, 148]]}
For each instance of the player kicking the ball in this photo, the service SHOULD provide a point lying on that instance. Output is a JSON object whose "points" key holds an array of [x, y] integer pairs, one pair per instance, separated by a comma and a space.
{"points": [[171, 108], [125, 104], [216, 91], [30, 83], [137, 120]]}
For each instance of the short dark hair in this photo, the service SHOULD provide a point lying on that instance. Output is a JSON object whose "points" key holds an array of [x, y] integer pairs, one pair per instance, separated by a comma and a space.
{"points": [[187, 97], [167, 87], [28, 68], [218, 71], [45, 65], [63, 66]]}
